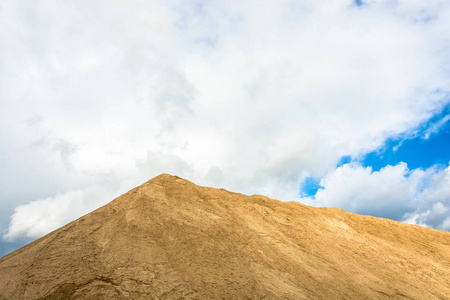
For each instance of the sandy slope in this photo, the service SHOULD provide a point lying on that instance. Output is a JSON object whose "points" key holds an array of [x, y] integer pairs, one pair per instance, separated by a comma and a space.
{"points": [[171, 239]]}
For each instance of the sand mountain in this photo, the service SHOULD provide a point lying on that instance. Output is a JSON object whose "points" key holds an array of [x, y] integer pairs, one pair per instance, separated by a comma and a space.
{"points": [[172, 239]]}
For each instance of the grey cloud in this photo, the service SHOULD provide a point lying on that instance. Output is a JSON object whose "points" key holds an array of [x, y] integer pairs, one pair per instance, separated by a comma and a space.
{"points": [[214, 176], [157, 163], [438, 216], [65, 150]]}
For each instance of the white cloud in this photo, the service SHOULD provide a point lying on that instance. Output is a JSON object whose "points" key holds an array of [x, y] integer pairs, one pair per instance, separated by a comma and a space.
{"points": [[42, 216], [418, 196], [435, 127], [250, 95]]}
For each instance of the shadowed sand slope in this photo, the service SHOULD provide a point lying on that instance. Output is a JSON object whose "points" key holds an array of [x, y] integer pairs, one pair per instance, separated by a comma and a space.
{"points": [[172, 239]]}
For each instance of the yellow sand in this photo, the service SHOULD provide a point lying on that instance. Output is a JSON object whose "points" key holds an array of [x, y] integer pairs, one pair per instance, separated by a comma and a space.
{"points": [[172, 239]]}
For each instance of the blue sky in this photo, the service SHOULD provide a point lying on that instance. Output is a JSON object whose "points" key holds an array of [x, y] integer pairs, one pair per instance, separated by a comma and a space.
{"points": [[397, 180], [427, 146], [289, 99], [422, 148]]}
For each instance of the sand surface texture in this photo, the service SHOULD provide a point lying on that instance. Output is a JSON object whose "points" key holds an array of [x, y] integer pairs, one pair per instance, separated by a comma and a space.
{"points": [[172, 239]]}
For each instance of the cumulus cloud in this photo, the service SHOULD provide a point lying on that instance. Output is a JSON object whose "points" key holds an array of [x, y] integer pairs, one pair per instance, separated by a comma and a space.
{"points": [[39, 217], [252, 96], [417, 196]]}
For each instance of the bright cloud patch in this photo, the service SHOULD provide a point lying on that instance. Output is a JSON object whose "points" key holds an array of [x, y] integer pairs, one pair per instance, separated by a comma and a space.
{"points": [[39, 217], [418, 196]]}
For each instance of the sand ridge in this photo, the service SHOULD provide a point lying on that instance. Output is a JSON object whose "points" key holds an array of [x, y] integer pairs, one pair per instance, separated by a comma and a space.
{"points": [[172, 239]]}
